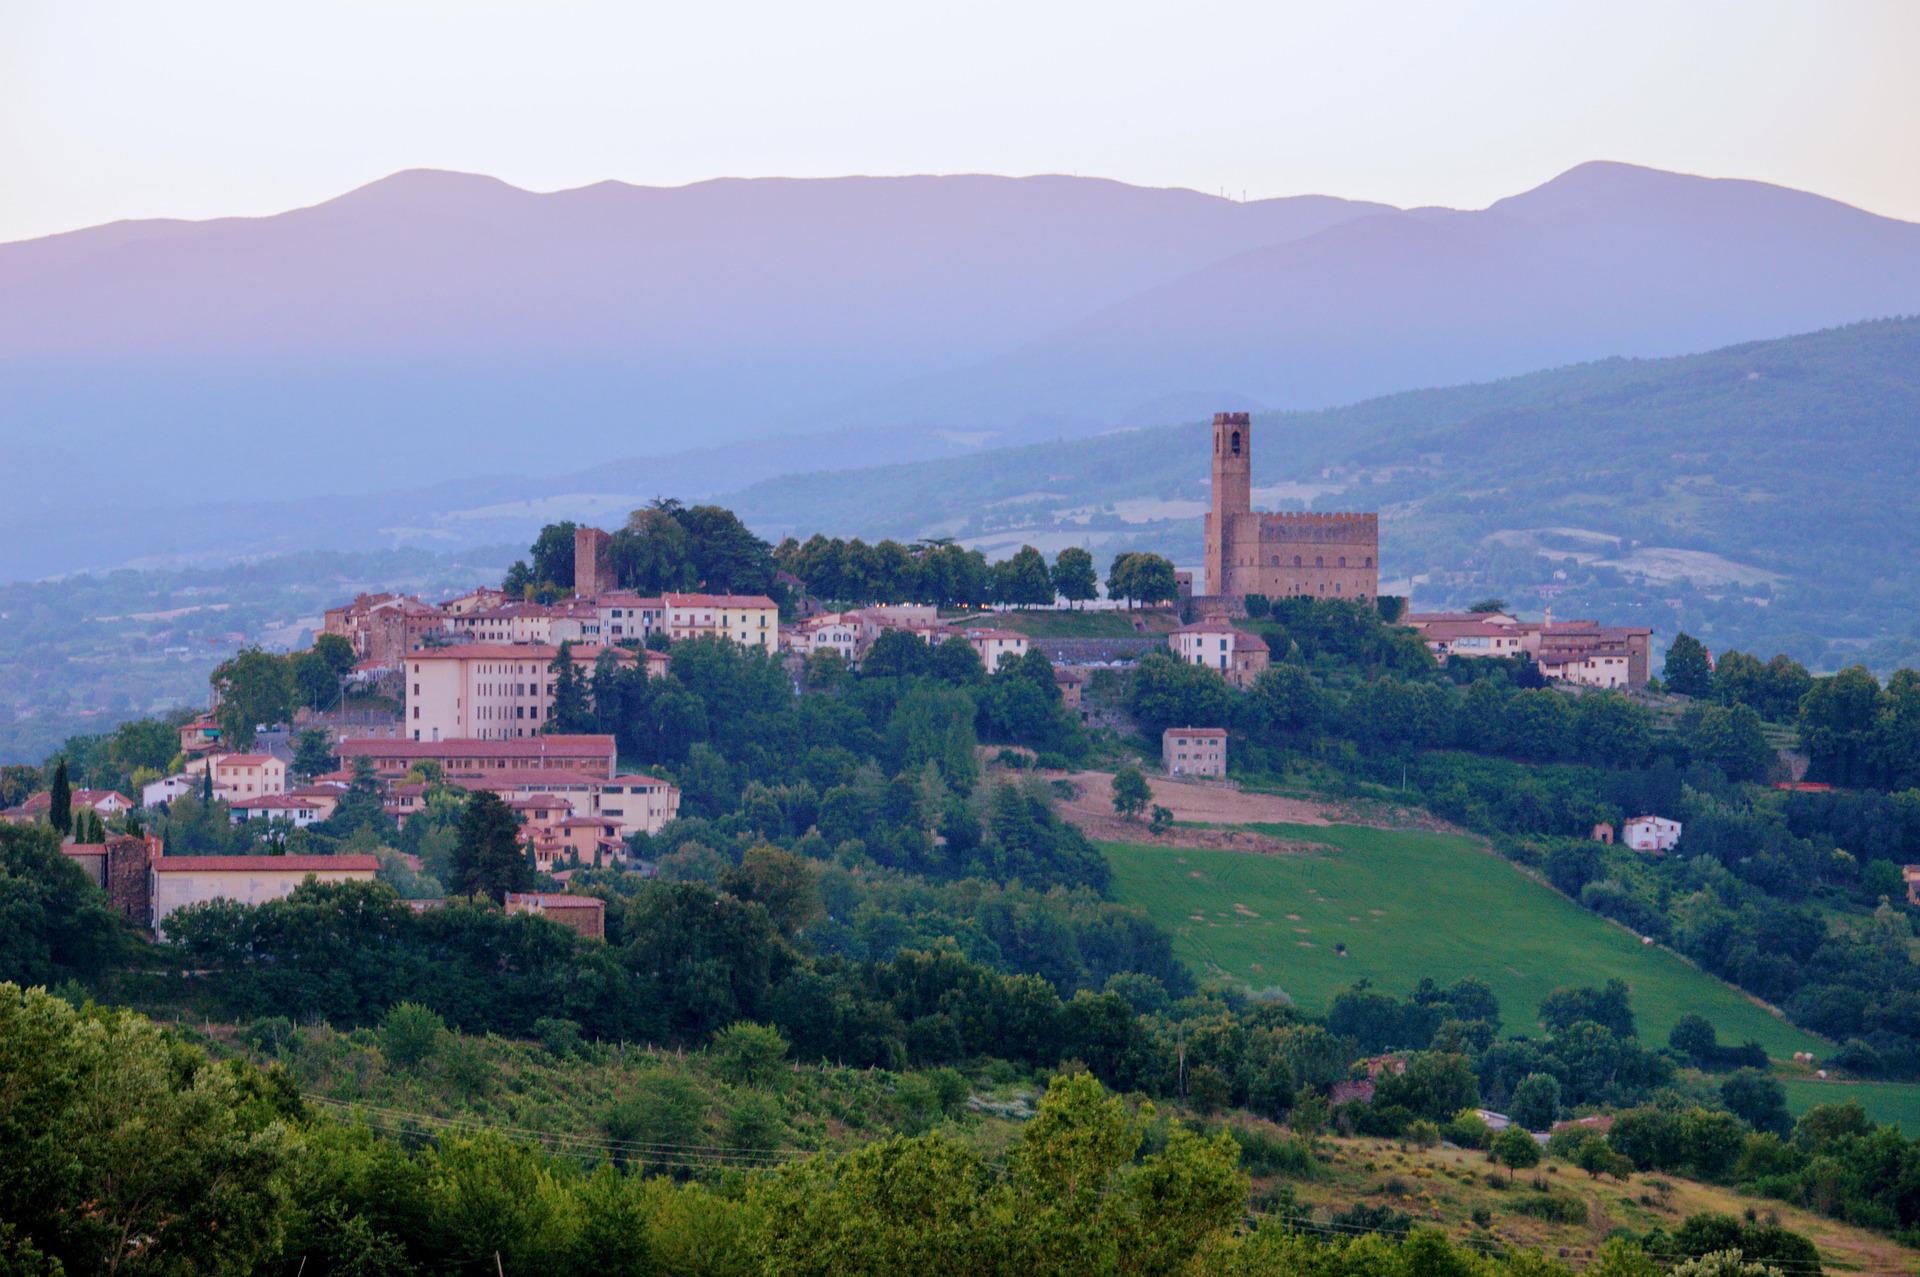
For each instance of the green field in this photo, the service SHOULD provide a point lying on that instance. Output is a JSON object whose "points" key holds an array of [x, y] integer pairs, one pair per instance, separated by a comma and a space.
{"points": [[1069, 624], [1895, 1102], [1409, 904]]}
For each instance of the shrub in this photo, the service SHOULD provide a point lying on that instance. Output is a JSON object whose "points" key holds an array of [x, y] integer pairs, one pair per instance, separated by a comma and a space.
{"points": [[559, 1037], [1469, 1130], [1363, 1217], [1423, 1134], [1266, 1152], [410, 1035], [1555, 1208], [749, 1054]]}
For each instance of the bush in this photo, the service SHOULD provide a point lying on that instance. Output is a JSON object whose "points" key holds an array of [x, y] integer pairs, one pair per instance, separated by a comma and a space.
{"points": [[1362, 1217], [749, 1054], [559, 1037], [410, 1035], [1555, 1208], [1469, 1130], [1423, 1133], [1266, 1152]]}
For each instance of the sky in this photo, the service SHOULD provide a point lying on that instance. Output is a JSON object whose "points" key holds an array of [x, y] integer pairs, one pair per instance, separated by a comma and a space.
{"points": [[200, 108]]}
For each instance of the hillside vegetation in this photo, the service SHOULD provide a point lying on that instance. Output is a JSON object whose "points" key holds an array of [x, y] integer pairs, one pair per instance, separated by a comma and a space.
{"points": [[1743, 495], [1388, 905]]}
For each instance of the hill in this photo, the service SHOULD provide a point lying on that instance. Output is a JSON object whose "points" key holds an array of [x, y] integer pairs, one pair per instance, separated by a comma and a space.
{"points": [[1392, 906], [449, 327], [1745, 494]]}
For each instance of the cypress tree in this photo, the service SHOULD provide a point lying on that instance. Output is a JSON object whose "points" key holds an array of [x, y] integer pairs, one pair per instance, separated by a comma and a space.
{"points": [[60, 811]]}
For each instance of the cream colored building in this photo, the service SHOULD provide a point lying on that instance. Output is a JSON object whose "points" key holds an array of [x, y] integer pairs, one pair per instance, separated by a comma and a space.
{"points": [[240, 776], [994, 645], [1236, 656], [179, 881], [749, 619], [638, 802], [487, 691], [1194, 751]]}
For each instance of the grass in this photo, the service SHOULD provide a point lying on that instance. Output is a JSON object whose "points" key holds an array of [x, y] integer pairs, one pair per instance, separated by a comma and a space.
{"points": [[1442, 1187], [1068, 624], [1407, 904], [1893, 1102]]}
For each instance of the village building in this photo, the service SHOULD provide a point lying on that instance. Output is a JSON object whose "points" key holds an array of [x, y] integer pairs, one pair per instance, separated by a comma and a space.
{"points": [[508, 623], [585, 915], [475, 600], [179, 881], [299, 812], [752, 620], [639, 803], [357, 723], [624, 615], [1321, 556], [159, 793], [588, 753], [832, 632], [241, 776], [1584, 653], [1238, 657], [1194, 751], [200, 735], [994, 646], [1650, 833], [488, 691], [383, 628], [1910, 874], [108, 803]]}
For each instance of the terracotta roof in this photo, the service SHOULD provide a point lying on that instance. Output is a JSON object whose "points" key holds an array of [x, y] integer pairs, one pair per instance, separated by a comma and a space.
{"points": [[553, 900], [975, 632], [634, 778], [543, 652], [255, 864], [244, 760], [532, 747], [720, 600], [522, 777], [274, 800], [1195, 731]]}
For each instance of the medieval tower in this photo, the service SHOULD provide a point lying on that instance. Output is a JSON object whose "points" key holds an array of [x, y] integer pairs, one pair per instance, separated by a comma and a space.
{"points": [[1332, 556]]}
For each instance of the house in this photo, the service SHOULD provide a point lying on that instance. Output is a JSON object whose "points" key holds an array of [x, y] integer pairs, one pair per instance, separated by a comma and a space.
{"points": [[1650, 833], [1911, 875], [1235, 655], [622, 614], [383, 628], [158, 793], [752, 620], [508, 623], [391, 759], [1602, 832], [1581, 652], [638, 802], [201, 735], [1194, 751], [475, 600], [489, 691], [237, 776], [179, 881], [592, 840], [994, 646], [586, 915], [834, 632], [299, 812], [107, 802], [1072, 682]]}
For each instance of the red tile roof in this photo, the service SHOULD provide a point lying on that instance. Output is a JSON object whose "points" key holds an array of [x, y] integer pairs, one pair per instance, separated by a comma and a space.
{"points": [[259, 864], [1195, 731], [532, 747], [720, 600]]}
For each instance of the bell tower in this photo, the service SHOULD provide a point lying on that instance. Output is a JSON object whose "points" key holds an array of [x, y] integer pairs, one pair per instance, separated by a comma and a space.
{"points": [[1232, 495]]}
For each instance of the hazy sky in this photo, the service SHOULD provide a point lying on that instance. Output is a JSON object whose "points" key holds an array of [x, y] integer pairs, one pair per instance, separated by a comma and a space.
{"points": [[197, 108]]}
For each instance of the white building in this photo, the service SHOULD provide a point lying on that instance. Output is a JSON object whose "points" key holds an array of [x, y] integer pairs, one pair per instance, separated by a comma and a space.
{"points": [[166, 789], [239, 776], [994, 645], [488, 691], [1650, 833], [300, 811]]}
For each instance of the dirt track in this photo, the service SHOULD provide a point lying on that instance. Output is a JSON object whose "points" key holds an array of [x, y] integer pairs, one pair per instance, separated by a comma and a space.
{"points": [[1092, 810]]}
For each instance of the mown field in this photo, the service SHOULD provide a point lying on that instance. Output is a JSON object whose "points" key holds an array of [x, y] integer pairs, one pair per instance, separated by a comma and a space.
{"points": [[1895, 1102], [1392, 906], [1071, 624]]}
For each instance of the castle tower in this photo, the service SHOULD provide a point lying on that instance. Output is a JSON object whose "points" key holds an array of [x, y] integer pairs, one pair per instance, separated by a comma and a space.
{"points": [[1232, 495], [592, 562]]}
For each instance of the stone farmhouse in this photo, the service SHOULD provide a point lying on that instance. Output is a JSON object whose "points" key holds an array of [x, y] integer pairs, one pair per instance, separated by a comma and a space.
{"points": [[1585, 653], [1194, 751]]}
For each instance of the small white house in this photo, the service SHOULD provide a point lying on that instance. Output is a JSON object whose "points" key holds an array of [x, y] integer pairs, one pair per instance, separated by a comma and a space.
{"points": [[301, 811], [165, 790], [1650, 833]]}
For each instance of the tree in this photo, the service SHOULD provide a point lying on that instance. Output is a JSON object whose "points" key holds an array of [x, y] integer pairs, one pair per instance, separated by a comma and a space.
{"points": [[653, 553], [1757, 1099], [1688, 671], [1515, 1149], [312, 754], [1161, 819], [1022, 579], [410, 1035], [315, 684], [58, 926], [60, 806], [1140, 577], [726, 557], [336, 651], [1074, 578], [488, 860], [551, 555], [571, 713], [1485, 606], [1839, 718], [785, 884], [749, 1054], [1536, 1101], [255, 688], [1130, 792]]}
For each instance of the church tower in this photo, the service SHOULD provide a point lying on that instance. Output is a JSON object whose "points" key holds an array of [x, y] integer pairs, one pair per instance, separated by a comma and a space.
{"points": [[1232, 495]]}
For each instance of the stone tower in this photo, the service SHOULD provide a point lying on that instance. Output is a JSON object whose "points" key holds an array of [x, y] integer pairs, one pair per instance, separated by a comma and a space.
{"points": [[1232, 494], [592, 562]]}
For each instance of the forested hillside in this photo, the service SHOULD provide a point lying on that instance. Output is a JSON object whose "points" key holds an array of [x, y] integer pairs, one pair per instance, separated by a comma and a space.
{"points": [[1750, 495]]}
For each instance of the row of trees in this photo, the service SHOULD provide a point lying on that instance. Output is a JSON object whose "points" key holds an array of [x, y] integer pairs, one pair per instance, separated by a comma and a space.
{"points": [[664, 546]]}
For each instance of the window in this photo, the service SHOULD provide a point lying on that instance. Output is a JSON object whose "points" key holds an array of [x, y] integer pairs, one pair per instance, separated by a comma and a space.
{"points": [[1296, 560], [1319, 560]]}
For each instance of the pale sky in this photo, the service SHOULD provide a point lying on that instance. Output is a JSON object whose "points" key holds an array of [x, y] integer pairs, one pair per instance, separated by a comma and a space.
{"points": [[201, 108]]}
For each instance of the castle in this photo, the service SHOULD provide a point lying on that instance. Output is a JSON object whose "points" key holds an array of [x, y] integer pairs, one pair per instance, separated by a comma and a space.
{"points": [[1279, 555]]}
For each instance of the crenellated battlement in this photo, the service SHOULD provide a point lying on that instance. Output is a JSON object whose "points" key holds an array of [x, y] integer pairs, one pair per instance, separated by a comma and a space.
{"points": [[1283, 554]]}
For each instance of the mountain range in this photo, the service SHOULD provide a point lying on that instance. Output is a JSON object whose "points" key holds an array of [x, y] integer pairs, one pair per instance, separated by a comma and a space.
{"points": [[439, 342]]}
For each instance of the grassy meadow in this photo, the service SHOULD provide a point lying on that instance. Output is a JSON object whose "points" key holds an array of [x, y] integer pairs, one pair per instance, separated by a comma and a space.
{"points": [[1395, 905]]}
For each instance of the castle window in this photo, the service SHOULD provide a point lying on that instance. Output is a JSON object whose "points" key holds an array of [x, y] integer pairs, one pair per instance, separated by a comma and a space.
{"points": [[1369, 560], [1343, 560], [1319, 560], [1276, 561], [1296, 560], [1236, 443]]}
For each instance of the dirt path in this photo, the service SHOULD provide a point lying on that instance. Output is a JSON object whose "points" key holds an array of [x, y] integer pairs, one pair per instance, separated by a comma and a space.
{"points": [[1092, 810]]}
